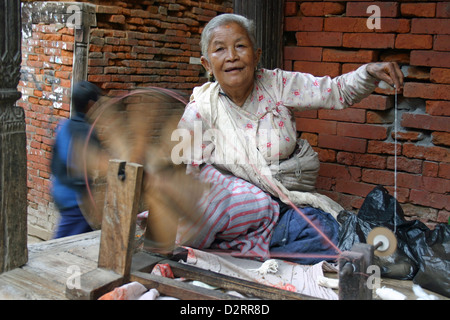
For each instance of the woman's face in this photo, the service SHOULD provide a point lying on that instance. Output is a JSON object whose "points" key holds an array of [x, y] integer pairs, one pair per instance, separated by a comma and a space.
{"points": [[232, 59]]}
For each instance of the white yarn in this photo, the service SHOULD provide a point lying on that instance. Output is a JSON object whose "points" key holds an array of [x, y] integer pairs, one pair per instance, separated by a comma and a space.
{"points": [[389, 294], [395, 159], [269, 266], [421, 294], [328, 282]]}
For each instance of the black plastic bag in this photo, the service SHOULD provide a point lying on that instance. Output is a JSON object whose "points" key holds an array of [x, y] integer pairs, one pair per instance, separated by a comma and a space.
{"points": [[431, 249], [422, 255]]}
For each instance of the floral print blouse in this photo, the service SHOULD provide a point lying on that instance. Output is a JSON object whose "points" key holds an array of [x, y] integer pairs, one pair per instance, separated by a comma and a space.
{"points": [[276, 94]]}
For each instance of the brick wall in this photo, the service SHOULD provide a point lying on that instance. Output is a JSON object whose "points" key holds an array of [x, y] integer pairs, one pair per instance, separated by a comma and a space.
{"points": [[150, 45], [356, 146], [45, 82]]}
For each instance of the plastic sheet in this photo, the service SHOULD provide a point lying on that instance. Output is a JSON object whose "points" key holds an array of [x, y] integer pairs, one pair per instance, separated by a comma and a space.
{"points": [[422, 255]]}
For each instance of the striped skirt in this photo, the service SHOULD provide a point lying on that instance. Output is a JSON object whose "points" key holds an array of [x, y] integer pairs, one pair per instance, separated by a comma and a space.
{"points": [[236, 216]]}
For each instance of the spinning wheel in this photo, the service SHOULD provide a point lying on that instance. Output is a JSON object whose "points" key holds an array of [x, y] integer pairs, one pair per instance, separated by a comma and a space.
{"points": [[137, 128]]}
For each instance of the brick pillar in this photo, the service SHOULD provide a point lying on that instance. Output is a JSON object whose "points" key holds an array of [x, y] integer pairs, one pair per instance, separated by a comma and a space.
{"points": [[13, 154], [268, 16]]}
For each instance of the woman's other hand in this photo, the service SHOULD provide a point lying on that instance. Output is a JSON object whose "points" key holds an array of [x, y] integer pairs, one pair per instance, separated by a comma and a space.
{"points": [[388, 72]]}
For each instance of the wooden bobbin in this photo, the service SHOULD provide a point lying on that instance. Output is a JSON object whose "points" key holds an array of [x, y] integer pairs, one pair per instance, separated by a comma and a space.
{"points": [[383, 240]]}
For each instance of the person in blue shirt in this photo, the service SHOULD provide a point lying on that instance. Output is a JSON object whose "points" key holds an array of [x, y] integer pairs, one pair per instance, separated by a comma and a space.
{"points": [[68, 181]]}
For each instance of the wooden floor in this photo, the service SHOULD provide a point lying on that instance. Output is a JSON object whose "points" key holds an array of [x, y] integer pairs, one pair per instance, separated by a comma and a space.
{"points": [[52, 263]]}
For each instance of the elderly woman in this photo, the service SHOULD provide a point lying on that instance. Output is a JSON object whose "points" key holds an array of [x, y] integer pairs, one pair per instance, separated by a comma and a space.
{"points": [[262, 201]]}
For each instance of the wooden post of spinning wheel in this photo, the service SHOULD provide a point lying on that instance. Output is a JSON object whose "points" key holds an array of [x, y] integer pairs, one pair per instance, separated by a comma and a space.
{"points": [[353, 265], [124, 183]]}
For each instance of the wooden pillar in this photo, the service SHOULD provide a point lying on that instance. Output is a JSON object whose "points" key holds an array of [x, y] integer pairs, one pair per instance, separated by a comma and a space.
{"points": [[87, 19], [268, 16], [13, 154]]}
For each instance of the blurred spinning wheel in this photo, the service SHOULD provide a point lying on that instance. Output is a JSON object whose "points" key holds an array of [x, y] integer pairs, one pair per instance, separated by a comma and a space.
{"points": [[137, 128]]}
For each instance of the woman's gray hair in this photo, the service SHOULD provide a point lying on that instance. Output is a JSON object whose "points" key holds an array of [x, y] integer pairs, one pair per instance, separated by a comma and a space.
{"points": [[221, 20]]}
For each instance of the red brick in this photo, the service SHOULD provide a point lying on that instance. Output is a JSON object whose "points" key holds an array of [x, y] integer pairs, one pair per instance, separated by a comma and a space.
{"points": [[436, 184], [348, 67], [359, 9], [117, 19], [402, 193], [319, 39], [99, 78], [316, 126], [443, 10], [303, 53], [303, 24], [430, 26], [430, 58], [326, 155], [394, 25], [318, 69], [411, 136], [336, 55], [370, 41], [441, 42], [405, 164], [310, 137], [430, 169], [438, 108], [430, 199], [440, 75], [413, 41], [51, 37], [385, 178], [362, 160], [379, 117], [345, 115], [425, 10], [332, 170], [444, 170], [411, 181], [109, 9], [430, 153], [355, 173], [441, 138], [97, 62], [355, 188], [346, 24], [375, 102], [427, 91], [312, 114], [342, 143], [323, 183], [287, 64], [290, 8], [321, 8], [348, 202], [425, 122], [365, 131], [382, 147]]}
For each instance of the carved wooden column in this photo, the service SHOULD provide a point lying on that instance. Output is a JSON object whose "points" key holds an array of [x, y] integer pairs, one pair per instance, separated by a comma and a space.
{"points": [[87, 19], [13, 154], [268, 16]]}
